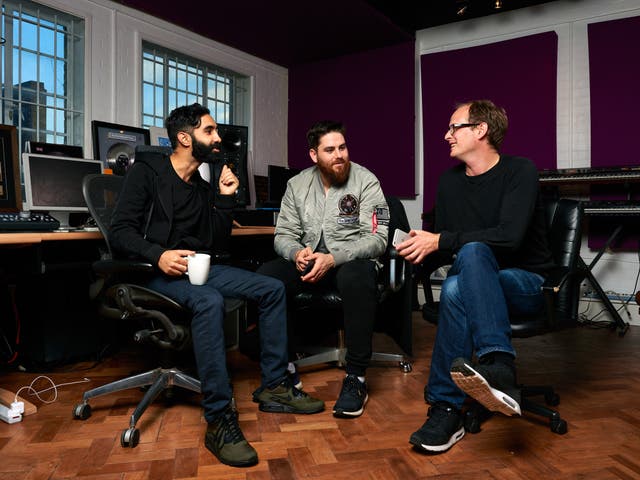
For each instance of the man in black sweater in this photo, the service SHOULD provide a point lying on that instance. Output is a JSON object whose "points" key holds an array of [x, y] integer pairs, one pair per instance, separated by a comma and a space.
{"points": [[489, 220], [167, 212]]}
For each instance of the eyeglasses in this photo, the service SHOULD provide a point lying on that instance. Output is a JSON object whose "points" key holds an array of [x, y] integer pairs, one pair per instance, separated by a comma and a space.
{"points": [[454, 127]]}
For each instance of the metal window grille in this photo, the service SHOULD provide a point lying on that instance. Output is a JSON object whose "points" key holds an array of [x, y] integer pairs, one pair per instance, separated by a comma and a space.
{"points": [[171, 79], [42, 73]]}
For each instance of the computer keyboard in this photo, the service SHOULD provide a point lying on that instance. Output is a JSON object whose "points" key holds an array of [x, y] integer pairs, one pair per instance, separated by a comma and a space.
{"points": [[16, 222]]}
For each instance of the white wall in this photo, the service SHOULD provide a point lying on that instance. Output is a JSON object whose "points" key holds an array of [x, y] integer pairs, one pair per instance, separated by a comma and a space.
{"points": [[569, 19], [114, 35]]}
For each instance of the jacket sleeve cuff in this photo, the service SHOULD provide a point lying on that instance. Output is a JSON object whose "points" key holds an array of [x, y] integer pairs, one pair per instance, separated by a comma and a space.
{"points": [[446, 241], [340, 257], [225, 201]]}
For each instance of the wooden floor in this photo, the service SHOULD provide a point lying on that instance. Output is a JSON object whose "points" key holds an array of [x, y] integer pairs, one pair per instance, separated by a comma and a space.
{"points": [[595, 371]]}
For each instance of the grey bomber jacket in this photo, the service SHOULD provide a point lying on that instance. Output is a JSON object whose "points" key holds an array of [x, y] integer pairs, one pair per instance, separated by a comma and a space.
{"points": [[354, 217]]}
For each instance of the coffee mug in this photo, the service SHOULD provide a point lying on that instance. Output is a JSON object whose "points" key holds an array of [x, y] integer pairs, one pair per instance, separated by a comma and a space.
{"points": [[198, 268]]}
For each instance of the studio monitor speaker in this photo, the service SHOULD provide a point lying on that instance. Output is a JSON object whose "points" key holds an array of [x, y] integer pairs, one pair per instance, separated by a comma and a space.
{"points": [[233, 152]]}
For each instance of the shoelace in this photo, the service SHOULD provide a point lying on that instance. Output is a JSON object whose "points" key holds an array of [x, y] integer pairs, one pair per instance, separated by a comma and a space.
{"points": [[352, 385], [438, 414], [229, 431]]}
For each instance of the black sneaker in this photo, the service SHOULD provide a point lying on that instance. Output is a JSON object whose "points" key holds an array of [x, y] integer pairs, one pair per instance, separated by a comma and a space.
{"points": [[493, 385], [352, 399], [286, 398], [441, 431], [225, 440]]}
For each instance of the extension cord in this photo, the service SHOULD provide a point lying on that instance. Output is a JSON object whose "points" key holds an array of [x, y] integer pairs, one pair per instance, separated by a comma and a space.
{"points": [[13, 414]]}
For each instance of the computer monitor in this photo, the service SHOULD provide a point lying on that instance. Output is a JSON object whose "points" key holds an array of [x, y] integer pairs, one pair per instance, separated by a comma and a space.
{"points": [[54, 184], [277, 178], [55, 149]]}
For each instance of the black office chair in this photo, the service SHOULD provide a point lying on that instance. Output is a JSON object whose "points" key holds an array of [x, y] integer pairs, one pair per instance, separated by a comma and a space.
{"points": [[562, 295], [162, 322], [393, 313]]}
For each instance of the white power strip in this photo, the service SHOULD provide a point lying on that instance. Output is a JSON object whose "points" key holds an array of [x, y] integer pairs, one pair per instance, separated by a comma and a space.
{"points": [[13, 414]]}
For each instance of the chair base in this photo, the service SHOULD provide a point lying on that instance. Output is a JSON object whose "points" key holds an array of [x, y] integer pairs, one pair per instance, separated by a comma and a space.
{"points": [[158, 380], [476, 414], [337, 355]]}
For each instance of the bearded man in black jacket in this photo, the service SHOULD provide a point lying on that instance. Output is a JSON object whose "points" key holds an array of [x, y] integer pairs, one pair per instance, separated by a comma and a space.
{"points": [[167, 212]]}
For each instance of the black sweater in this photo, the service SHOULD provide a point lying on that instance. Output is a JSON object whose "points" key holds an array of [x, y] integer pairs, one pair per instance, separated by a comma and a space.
{"points": [[143, 224], [500, 208]]}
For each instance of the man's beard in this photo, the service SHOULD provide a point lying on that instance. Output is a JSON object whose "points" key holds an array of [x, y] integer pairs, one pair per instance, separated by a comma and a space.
{"points": [[203, 152], [336, 179]]}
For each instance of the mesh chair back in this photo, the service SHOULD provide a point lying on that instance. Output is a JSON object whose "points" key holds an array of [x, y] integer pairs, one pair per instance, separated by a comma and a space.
{"points": [[101, 193]]}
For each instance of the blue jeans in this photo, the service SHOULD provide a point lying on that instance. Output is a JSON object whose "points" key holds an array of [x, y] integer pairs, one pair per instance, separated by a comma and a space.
{"points": [[475, 301], [206, 302]]}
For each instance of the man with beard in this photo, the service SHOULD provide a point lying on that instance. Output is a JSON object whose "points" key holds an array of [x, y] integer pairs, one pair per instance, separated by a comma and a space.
{"points": [[166, 212], [331, 229]]}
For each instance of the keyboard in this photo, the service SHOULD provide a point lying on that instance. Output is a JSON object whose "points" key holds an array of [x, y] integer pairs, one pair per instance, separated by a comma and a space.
{"points": [[612, 207], [39, 222]]}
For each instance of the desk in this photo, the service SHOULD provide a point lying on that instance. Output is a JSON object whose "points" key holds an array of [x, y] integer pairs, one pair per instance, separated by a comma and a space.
{"points": [[16, 238], [49, 276]]}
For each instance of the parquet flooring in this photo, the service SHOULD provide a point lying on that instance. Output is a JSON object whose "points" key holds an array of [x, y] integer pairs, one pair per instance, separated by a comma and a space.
{"points": [[595, 371]]}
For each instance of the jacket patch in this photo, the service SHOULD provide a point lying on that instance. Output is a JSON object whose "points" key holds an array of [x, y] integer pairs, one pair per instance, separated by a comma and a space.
{"points": [[348, 205], [383, 215]]}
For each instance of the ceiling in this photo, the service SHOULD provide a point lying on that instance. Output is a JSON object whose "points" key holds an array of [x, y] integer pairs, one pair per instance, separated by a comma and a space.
{"points": [[291, 32]]}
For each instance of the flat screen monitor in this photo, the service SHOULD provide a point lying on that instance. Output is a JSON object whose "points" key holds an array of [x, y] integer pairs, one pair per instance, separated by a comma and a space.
{"points": [[54, 184], [55, 149], [277, 178]]}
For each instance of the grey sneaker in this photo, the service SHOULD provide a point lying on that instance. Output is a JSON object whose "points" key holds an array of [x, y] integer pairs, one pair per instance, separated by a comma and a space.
{"points": [[286, 398], [493, 385], [352, 399], [225, 440], [441, 431]]}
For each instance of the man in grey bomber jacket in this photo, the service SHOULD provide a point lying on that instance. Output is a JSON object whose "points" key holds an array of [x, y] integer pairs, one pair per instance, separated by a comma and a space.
{"points": [[332, 227]]}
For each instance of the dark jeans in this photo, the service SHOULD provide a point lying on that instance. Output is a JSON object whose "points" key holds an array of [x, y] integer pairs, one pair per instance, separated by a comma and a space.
{"points": [[356, 283], [207, 304], [475, 301]]}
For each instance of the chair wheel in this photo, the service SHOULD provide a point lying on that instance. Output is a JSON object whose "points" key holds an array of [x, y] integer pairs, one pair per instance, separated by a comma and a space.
{"points": [[82, 411], [552, 399], [559, 426], [130, 437], [406, 367]]}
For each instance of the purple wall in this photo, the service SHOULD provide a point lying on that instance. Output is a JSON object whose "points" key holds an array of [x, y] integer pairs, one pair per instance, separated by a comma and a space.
{"points": [[518, 74], [614, 76], [373, 93]]}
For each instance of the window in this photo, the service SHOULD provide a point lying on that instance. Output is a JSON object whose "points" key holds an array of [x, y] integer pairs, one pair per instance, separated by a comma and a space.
{"points": [[42, 73], [170, 80]]}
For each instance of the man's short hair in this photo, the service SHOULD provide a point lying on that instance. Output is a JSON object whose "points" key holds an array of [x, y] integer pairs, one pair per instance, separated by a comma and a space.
{"points": [[184, 119], [320, 129], [495, 117]]}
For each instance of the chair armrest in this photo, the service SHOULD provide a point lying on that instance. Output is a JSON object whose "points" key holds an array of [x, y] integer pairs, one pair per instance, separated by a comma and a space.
{"points": [[397, 270], [115, 267]]}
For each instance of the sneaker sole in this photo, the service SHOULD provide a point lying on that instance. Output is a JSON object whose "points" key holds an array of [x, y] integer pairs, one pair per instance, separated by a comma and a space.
{"points": [[281, 408], [455, 438], [474, 385], [340, 413]]}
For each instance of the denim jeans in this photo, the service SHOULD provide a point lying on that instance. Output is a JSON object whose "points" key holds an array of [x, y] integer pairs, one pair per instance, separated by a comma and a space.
{"points": [[206, 302], [475, 301], [356, 282]]}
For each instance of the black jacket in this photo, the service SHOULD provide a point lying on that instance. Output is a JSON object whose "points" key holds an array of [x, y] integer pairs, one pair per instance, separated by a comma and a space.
{"points": [[143, 220]]}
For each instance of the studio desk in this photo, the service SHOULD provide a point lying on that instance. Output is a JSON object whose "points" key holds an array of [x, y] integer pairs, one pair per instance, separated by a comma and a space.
{"points": [[44, 292]]}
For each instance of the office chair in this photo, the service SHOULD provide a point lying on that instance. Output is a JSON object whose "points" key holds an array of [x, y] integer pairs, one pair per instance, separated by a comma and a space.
{"points": [[394, 305], [162, 322], [562, 295]]}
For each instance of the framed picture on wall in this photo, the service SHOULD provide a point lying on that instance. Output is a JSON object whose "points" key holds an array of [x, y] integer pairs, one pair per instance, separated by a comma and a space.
{"points": [[115, 144], [10, 192]]}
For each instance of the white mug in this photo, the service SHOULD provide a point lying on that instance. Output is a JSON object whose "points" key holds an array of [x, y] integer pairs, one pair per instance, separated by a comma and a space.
{"points": [[198, 268]]}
